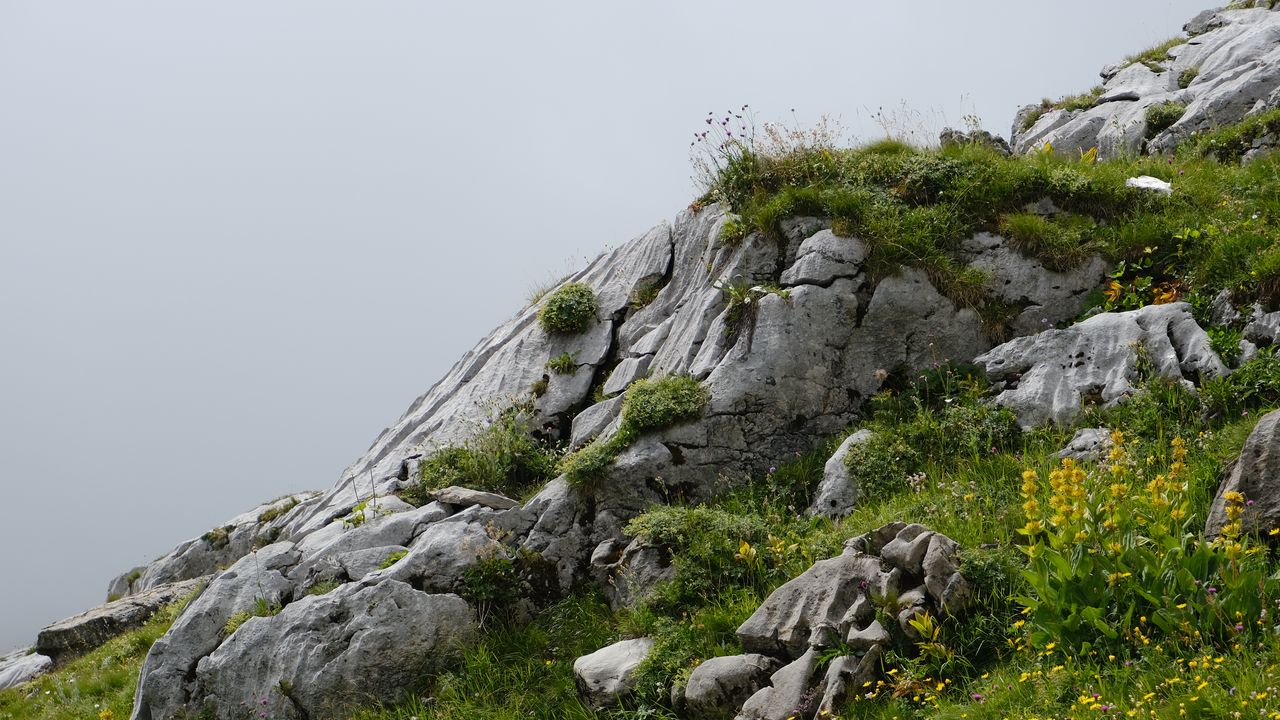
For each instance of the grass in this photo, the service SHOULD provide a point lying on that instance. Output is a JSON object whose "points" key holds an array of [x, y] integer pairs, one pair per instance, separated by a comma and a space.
{"points": [[92, 685]]}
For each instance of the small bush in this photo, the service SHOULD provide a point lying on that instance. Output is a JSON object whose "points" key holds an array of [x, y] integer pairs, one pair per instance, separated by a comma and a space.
{"points": [[392, 559], [734, 230], [1188, 76], [1255, 384], [1162, 116], [562, 364], [588, 464], [571, 309], [655, 403], [491, 585], [645, 294], [879, 467], [502, 458]]}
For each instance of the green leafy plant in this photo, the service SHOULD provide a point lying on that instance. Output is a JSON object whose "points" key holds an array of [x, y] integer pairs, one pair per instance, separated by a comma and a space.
{"points": [[1162, 116], [491, 585], [261, 608], [570, 309], [1188, 76], [1113, 559], [392, 559], [562, 364]]}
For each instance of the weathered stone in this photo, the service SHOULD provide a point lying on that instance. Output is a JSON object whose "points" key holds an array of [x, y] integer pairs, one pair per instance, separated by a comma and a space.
{"points": [[951, 138], [836, 494], [21, 666], [637, 571], [591, 422], [440, 556], [1087, 445], [628, 371], [358, 563], [824, 257], [607, 676], [466, 497], [787, 695], [820, 595], [89, 629], [1050, 377], [845, 676], [720, 686], [1234, 54], [1256, 476], [907, 549], [332, 653], [163, 687], [867, 637]]}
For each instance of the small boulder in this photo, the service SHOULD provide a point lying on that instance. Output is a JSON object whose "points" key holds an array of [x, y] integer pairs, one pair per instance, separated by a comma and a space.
{"points": [[20, 666], [719, 686], [1256, 476], [837, 494], [607, 676], [462, 497], [91, 628], [1088, 444]]}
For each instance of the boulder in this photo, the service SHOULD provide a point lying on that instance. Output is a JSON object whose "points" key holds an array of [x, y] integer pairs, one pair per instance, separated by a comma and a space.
{"points": [[607, 676], [352, 647], [719, 686], [1052, 376], [1087, 445], [21, 666], [845, 676], [630, 574], [1256, 476], [788, 696], [466, 497], [81, 633], [836, 494]]}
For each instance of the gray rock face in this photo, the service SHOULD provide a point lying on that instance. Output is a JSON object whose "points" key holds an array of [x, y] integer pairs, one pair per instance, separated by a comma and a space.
{"points": [[786, 696], [836, 494], [1050, 377], [628, 575], [217, 548], [720, 686], [1256, 475], [21, 666], [89, 629], [607, 675], [1236, 58], [356, 645]]}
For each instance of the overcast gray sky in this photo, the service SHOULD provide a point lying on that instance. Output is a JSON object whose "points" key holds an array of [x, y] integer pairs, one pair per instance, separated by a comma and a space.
{"points": [[238, 238]]}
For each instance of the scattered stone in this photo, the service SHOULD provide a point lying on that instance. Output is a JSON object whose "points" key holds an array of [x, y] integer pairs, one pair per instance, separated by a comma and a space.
{"points": [[1087, 445], [1146, 182], [607, 676], [720, 686], [836, 494]]}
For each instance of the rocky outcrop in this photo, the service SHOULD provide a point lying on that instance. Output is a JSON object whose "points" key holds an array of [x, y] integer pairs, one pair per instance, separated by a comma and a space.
{"points": [[1087, 445], [86, 631], [1227, 70], [898, 571], [355, 646], [216, 549], [1051, 377], [22, 666], [1256, 476], [607, 676]]}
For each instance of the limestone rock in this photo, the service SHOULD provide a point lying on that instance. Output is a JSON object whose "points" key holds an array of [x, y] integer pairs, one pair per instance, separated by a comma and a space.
{"points": [[836, 494], [466, 497], [637, 570], [786, 697], [607, 675], [845, 676], [1256, 475], [719, 686], [86, 631], [1050, 377], [21, 666], [1235, 56], [331, 653], [163, 687], [821, 595], [1087, 445]]}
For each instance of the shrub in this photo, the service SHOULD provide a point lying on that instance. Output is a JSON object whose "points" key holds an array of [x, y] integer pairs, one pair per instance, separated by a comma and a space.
{"points": [[1162, 116], [879, 467], [1114, 559], [655, 403], [503, 458], [649, 404], [645, 293], [1255, 384], [392, 559], [571, 309], [562, 364], [1188, 76], [490, 585]]}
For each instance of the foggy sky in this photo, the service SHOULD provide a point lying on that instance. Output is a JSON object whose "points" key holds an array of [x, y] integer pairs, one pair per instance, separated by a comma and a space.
{"points": [[237, 239]]}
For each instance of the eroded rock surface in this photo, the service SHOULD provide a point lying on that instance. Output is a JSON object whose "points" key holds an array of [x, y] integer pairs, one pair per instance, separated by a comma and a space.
{"points": [[1052, 376], [607, 676], [89, 629], [1230, 66], [1256, 476], [21, 666]]}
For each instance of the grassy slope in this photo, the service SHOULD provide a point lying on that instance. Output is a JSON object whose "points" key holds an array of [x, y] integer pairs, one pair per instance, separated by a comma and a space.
{"points": [[99, 684], [1216, 232]]}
